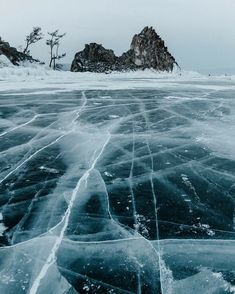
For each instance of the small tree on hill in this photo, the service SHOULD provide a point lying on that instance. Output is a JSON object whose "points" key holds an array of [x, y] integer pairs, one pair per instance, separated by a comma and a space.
{"points": [[54, 43], [35, 36]]}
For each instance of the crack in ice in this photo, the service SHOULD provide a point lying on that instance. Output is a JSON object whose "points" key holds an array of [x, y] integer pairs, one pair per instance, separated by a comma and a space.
{"points": [[65, 221]]}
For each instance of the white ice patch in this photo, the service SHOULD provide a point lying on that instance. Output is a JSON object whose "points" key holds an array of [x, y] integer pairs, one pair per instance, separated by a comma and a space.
{"points": [[2, 227], [108, 174], [113, 116], [49, 170], [219, 137]]}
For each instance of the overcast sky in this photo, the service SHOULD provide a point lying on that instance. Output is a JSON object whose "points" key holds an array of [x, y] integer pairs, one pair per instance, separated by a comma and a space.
{"points": [[199, 33]]}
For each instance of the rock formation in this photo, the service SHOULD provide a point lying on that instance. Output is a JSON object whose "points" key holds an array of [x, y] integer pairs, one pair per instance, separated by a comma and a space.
{"points": [[13, 54], [94, 58], [147, 51]]}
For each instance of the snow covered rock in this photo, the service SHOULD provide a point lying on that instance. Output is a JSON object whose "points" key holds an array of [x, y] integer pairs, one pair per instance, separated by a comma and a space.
{"points": [[147, 51], [5, 62], [13, 54]]}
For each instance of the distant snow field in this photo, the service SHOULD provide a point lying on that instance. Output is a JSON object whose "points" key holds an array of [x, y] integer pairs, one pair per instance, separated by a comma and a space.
{"points": [[31, 76]]}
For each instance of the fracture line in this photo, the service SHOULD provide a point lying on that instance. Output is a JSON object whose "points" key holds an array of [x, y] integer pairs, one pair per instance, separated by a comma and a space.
{"points": [[130, 178], [52, 257], [20, 126], [31, 156], [154, 198]]}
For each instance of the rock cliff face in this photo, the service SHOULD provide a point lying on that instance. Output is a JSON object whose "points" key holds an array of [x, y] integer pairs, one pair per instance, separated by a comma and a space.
{"points": [[13, 54], [147, 50]]}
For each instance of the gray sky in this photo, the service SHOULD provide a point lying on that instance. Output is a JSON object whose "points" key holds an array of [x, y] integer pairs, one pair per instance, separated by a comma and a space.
{"points": [[199, 33]]}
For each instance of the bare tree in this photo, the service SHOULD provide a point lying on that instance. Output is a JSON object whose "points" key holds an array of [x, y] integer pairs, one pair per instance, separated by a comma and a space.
{"points": [[35, 36], [54, 44]]}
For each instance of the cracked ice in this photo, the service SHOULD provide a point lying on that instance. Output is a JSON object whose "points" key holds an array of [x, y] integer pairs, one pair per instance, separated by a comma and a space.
{"points": [[118, 190]]}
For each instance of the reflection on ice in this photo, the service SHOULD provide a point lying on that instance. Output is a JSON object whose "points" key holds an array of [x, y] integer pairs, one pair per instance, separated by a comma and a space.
{"points": [[118, 191]]}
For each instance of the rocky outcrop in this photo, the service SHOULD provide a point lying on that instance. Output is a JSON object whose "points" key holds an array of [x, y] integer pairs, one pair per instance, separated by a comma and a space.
{"points": [[147, 51], [94, 58], [13, 54]]}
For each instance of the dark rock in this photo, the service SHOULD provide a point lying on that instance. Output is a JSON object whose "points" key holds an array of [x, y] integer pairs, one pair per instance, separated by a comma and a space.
{"points": [[13, 54], [147, 51], [94, 58]]}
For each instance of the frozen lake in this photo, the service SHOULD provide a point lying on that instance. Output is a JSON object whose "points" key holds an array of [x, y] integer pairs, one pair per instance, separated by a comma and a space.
{"points": [[117, 186]]}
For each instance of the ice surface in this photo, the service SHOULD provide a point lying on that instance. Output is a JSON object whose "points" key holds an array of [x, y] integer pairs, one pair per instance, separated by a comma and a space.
{"points": [[120, 183]]}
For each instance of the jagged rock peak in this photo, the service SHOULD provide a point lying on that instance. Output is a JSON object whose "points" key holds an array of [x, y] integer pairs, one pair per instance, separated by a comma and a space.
{"points": [[150, 51], [147, 50]]}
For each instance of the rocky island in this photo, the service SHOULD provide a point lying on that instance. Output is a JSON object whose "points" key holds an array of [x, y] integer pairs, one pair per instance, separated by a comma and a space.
{"points": [[147, 51]]}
